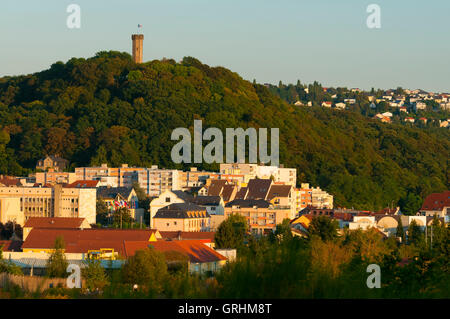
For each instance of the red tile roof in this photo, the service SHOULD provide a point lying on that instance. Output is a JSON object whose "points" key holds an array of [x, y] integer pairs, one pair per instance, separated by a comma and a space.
{"points": [[79, 241], [11, 245], [197, 251], [436, 201], [8, 181], [54, 222], [83, 184]]}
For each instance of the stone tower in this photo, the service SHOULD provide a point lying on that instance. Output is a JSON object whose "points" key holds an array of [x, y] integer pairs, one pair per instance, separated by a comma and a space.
{"points": [[138, 46]]}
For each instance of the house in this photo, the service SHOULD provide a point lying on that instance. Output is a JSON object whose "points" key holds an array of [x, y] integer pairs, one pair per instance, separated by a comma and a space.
{"points": [[341, 106], [8, 181], [326, 104], [182, 217], [214, 204], [165, 199], [54, 223], [201, 258], [436, 203], [410, 119], [403, 109], [424, 120], [53, 162], [298, 103], [419, 106]]}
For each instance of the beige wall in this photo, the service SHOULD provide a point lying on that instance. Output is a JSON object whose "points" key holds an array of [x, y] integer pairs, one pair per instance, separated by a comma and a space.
{"points": [[54, 202], [182, 224], [260, 219], [10, 210]]}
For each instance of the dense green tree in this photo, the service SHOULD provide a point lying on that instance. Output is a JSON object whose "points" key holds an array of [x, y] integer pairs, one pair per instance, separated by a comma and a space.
{"points": [[147, 268], [102, 212], [324, 227], [415, 234], [57, 261], [94, 274], [231, 232]]}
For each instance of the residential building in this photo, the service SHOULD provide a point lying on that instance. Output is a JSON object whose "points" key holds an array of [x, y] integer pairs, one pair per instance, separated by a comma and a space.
{"points": [[182, 217], [436, 204], [165, 199], [118, 197], [54, 162], [55, 201], [52, 177], [262, 216]]}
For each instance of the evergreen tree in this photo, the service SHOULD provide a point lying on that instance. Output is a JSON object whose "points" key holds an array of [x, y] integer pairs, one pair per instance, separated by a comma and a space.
{"points": [[57, 261]]}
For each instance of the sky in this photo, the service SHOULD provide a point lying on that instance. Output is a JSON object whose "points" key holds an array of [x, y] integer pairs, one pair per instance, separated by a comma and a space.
{"points": [[317, 40]]}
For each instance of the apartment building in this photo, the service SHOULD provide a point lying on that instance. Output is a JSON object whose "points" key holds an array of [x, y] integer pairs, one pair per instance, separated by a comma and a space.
{"points": [[262, 216], [56, 201], [153, 180], [52, 177], [278, 174]]}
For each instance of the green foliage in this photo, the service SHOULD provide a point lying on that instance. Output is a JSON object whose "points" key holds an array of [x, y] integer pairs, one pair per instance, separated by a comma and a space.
{"points": [[57, 261], [102, 211], [231, 232], [324, 227], [10, 268], [415, 234], [146, 268], [410, 204], [122, 218], [95, 275]]}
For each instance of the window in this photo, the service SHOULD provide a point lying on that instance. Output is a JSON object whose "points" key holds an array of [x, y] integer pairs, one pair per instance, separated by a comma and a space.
{"points": [[167, 199]]}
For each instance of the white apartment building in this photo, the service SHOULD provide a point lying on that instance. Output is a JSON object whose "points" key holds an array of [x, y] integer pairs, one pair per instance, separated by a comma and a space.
{"points": [[20, 203], [279, 174]]}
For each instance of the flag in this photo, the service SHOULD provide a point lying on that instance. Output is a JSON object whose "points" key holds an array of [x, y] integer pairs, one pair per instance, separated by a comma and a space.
{"points": [[139, 25]]}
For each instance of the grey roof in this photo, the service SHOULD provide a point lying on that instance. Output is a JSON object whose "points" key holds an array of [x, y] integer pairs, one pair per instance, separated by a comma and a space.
{"points": [[180, 210], [183, 195], [206, 200], [247, 203], [111, 192]]}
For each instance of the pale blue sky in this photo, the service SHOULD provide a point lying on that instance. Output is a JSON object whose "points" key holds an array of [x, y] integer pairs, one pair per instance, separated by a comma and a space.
{"points": [[323, 40]]}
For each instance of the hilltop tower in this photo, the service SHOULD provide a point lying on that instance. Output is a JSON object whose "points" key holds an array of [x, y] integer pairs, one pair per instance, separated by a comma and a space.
{"points": [[138, 46]]}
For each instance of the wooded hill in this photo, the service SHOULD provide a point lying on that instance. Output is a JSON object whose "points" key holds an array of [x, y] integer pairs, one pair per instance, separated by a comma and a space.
{"points": [[107, 109]]}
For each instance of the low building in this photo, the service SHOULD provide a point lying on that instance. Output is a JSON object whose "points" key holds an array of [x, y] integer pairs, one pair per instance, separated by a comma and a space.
{"points": [[201, 258], [54, 223], [182, 217]]}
